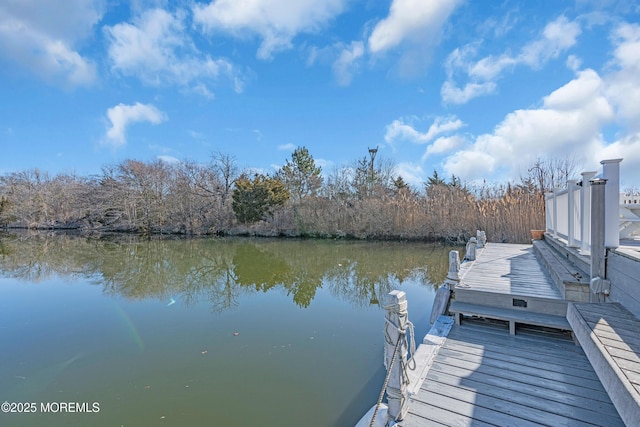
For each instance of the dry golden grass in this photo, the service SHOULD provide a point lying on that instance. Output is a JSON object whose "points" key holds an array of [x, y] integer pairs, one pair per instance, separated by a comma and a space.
{"points": [[446, 213]]}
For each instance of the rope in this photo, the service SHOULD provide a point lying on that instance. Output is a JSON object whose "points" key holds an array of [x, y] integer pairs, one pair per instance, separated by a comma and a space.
{"points": [[386, 382], [401, 332], [401, 310]]}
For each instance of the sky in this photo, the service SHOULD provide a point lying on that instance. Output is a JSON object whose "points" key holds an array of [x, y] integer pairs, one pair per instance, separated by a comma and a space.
{"points": [[476, 89]]}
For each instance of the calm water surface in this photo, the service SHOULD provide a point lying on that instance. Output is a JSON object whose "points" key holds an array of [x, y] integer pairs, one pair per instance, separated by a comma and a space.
{"points": [[203, 332]]}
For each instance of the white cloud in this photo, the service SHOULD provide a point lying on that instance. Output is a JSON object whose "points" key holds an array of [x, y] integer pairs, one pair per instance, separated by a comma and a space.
{"points": [[324, 164], [490, 67], [168, 159], [623, 90], [557, 37], [569, 122], [574, 63], [443, 145], [410, 20], [411, 173], [499, 27], [287, 147], [344, 59], [347, 62], [452, 94], [197, 135], [123, 115], [202, 90], [412, 30], [42, 37], [623, 84], [470, 165], [461, 59], [157, 49], [398, 130], [276, 22], [575, 94], [571, 119], [628, 149], [627, 52]]}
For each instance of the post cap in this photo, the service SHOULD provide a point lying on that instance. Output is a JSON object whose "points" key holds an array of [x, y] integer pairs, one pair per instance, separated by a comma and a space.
{"points": [[604, 162]]}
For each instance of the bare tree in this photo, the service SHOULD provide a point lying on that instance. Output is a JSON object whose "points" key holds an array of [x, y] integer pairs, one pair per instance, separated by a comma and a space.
{"points": [[547, 174], [225, 167]]}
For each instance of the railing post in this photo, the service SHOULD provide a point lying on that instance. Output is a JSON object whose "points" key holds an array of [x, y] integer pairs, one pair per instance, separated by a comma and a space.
{"points": [[611, 173], [585, 213], [548, 211], [555, 212], [396, 324], [571, 238], [598, 251]]}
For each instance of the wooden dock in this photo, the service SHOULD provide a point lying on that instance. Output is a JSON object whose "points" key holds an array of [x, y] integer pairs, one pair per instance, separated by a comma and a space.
{"points": [[509, 283], [512, 269], [610, 337], [545, 334], [482, 376], [487, 373]]}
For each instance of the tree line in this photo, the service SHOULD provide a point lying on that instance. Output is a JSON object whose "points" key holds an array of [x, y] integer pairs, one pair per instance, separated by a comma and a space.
{"points": [[366, 200]]}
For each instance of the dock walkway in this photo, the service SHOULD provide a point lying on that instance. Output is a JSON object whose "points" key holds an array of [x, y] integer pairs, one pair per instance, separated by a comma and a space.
{"points": [[507, 282], [485, 374], [504, 268], [482, 376]]}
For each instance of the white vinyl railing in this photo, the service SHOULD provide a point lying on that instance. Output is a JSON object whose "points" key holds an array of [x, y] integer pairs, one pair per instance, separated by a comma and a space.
{"points": [[568, 210]]}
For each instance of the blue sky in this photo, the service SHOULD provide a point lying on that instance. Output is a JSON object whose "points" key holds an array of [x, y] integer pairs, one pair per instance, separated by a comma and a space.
{"points": [[478, 89]]}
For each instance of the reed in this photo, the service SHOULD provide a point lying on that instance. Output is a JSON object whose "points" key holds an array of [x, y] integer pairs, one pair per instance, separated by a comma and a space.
{"points": [[448, 213], [190, 199]]}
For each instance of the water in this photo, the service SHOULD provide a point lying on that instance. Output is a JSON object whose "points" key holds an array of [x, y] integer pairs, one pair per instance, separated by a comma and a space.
{"points": [[202, 332]]}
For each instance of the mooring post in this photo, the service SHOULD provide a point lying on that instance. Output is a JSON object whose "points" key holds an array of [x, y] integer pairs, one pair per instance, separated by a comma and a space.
{"points": [[395, 359], [453, 276], [470, 253], [481, 237]]}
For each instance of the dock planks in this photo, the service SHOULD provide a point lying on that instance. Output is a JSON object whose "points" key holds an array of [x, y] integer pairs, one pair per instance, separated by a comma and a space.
{"points": [[484, 376], [610, 336], [508, 269]]}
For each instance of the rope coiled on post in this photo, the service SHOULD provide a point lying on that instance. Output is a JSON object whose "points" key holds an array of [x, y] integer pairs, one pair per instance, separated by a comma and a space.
{"points": [[401, 310]]}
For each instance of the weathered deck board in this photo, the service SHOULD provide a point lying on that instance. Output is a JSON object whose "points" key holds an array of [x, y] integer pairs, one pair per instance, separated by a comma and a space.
{"points": [[609, 333], [483, 376], [508, 269]]}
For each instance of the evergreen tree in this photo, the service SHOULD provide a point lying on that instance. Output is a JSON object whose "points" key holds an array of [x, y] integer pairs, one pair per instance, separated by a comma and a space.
{"points": [[434, 180], [399, 184], [254, 199], [301, 175]]}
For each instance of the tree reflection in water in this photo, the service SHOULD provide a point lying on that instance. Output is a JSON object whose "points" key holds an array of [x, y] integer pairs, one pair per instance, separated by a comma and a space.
{"points": [[220, 270]]}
